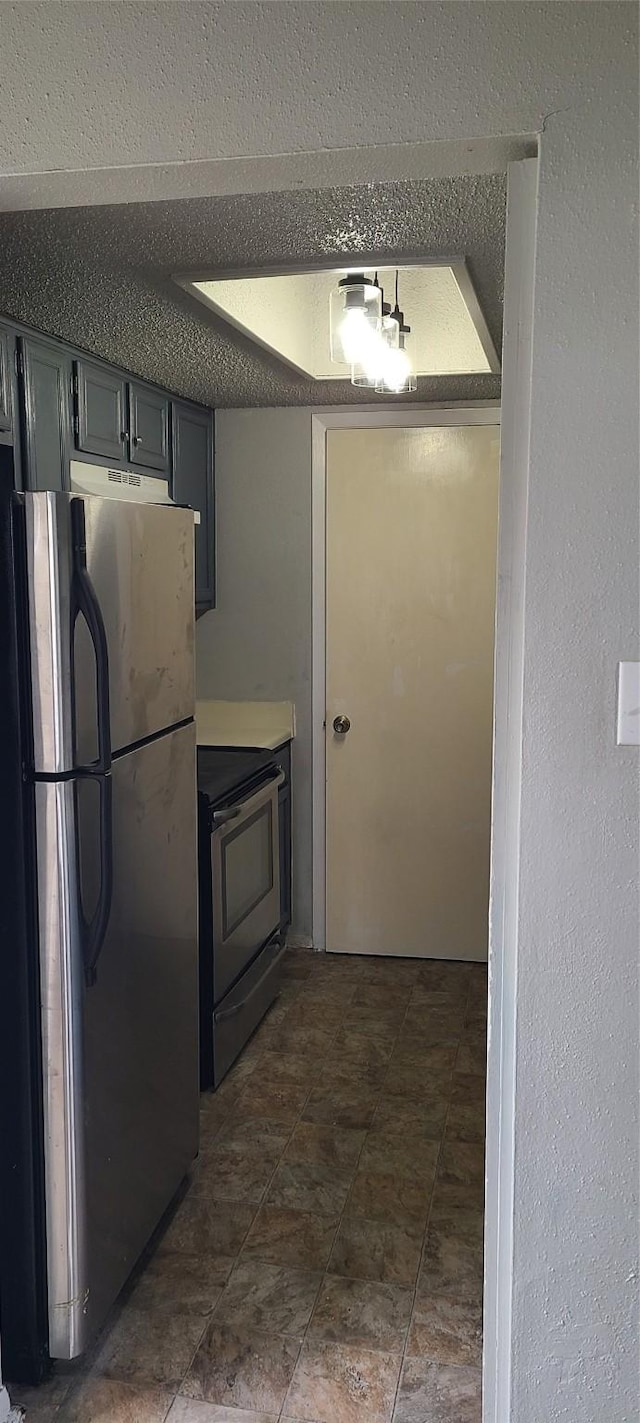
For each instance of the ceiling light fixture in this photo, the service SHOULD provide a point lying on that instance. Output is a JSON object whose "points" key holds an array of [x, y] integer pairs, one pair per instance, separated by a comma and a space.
{"points": [[369, 336], [396, 374], [355, 315], [366, 370]]}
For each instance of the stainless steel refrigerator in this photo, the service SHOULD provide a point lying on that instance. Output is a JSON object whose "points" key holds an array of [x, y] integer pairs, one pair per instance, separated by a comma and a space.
{"points": [[99, 956]]}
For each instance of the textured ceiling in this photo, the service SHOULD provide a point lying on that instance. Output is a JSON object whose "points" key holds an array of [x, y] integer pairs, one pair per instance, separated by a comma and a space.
{"points": [[101, 277]]}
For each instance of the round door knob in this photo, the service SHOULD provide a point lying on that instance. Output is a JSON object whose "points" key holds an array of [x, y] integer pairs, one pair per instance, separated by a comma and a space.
{"points": [[341, 725]]}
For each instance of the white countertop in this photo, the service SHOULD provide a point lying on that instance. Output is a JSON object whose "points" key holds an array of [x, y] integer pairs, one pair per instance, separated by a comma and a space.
{"points": [[267, 724]]}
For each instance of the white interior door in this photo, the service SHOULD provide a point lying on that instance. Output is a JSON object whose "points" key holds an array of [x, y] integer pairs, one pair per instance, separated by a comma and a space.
{"points": [[411, 531]]}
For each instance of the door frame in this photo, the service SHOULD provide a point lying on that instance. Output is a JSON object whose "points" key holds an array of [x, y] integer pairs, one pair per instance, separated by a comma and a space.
{"points": [[504, 909], [363, 417]]}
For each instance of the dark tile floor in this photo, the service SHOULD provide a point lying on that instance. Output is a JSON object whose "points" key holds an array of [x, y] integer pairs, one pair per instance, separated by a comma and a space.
{"points": [[325, 1265]]}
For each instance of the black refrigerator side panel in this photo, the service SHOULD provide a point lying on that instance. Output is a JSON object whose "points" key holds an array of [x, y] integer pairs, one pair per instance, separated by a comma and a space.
{"points": [[23, 1301]]}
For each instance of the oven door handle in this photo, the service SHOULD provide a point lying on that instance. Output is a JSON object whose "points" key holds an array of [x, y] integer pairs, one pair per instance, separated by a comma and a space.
{"points": [[236, 1008], [221, 817], [246, 807]]}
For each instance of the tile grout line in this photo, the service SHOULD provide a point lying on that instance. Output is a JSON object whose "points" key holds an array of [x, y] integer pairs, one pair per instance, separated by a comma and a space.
{"points": [[325, 1274], [415, 1288], [426, 1232], [266, 1189], [427, 1224], [248, 1230], [403, 1353]]}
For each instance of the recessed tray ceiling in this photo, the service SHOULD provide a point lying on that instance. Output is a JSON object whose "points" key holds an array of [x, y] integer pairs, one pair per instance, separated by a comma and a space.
{"points": [[288, 314], [102, 278]]}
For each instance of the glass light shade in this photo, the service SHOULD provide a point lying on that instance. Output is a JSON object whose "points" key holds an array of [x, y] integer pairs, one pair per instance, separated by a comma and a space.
{"points": [[355, 314], [368, 370], [390, 331], [365, 375], [396, 373]]}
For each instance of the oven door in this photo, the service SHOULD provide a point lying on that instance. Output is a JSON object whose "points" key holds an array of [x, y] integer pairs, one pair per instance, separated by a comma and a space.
{"points": [[245, 873]]}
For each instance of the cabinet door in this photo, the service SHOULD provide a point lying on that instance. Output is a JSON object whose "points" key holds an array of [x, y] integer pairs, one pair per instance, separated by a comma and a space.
{"points": [[6, 414], [149, 427], [193, 484], [45, 395], [101, 411]]}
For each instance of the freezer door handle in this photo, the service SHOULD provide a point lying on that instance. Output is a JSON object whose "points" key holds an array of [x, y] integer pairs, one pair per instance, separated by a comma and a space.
{"points": [[94, 929], [85, 603]]}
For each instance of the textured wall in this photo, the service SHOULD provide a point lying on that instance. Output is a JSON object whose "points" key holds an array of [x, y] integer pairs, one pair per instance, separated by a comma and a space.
{"points": [[89, 86], [101, 277], [256, 644], [170, 82], [575, 1270]]}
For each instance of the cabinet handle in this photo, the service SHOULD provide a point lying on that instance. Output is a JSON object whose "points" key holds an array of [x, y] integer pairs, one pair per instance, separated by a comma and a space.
{"points": [[123, 434], [137, 439]]}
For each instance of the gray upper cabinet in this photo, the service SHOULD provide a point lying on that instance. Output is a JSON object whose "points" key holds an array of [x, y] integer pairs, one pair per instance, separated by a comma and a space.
{"points": [[101, 411], [45, 387], [9, 406], [193, 484], [119, 420], [148, 427], [6, 403], [57, 404]]}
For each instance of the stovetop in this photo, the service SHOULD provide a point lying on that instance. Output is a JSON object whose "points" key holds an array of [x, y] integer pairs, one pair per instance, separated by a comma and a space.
{"points": [[225, 769]]}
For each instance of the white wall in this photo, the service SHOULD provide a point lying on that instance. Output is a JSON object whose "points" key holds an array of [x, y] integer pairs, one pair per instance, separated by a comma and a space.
{"points": [[107, 103], [166, 84], [256, 644], [575, 1263]]}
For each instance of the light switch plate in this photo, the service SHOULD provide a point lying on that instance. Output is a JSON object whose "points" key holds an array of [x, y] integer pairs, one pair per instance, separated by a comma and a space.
{"points": [[628, 733]]}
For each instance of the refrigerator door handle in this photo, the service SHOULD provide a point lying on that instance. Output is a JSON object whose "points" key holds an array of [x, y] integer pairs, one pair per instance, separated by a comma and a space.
{"points": [[94, 929], [62, 1023], [85, 602]]}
